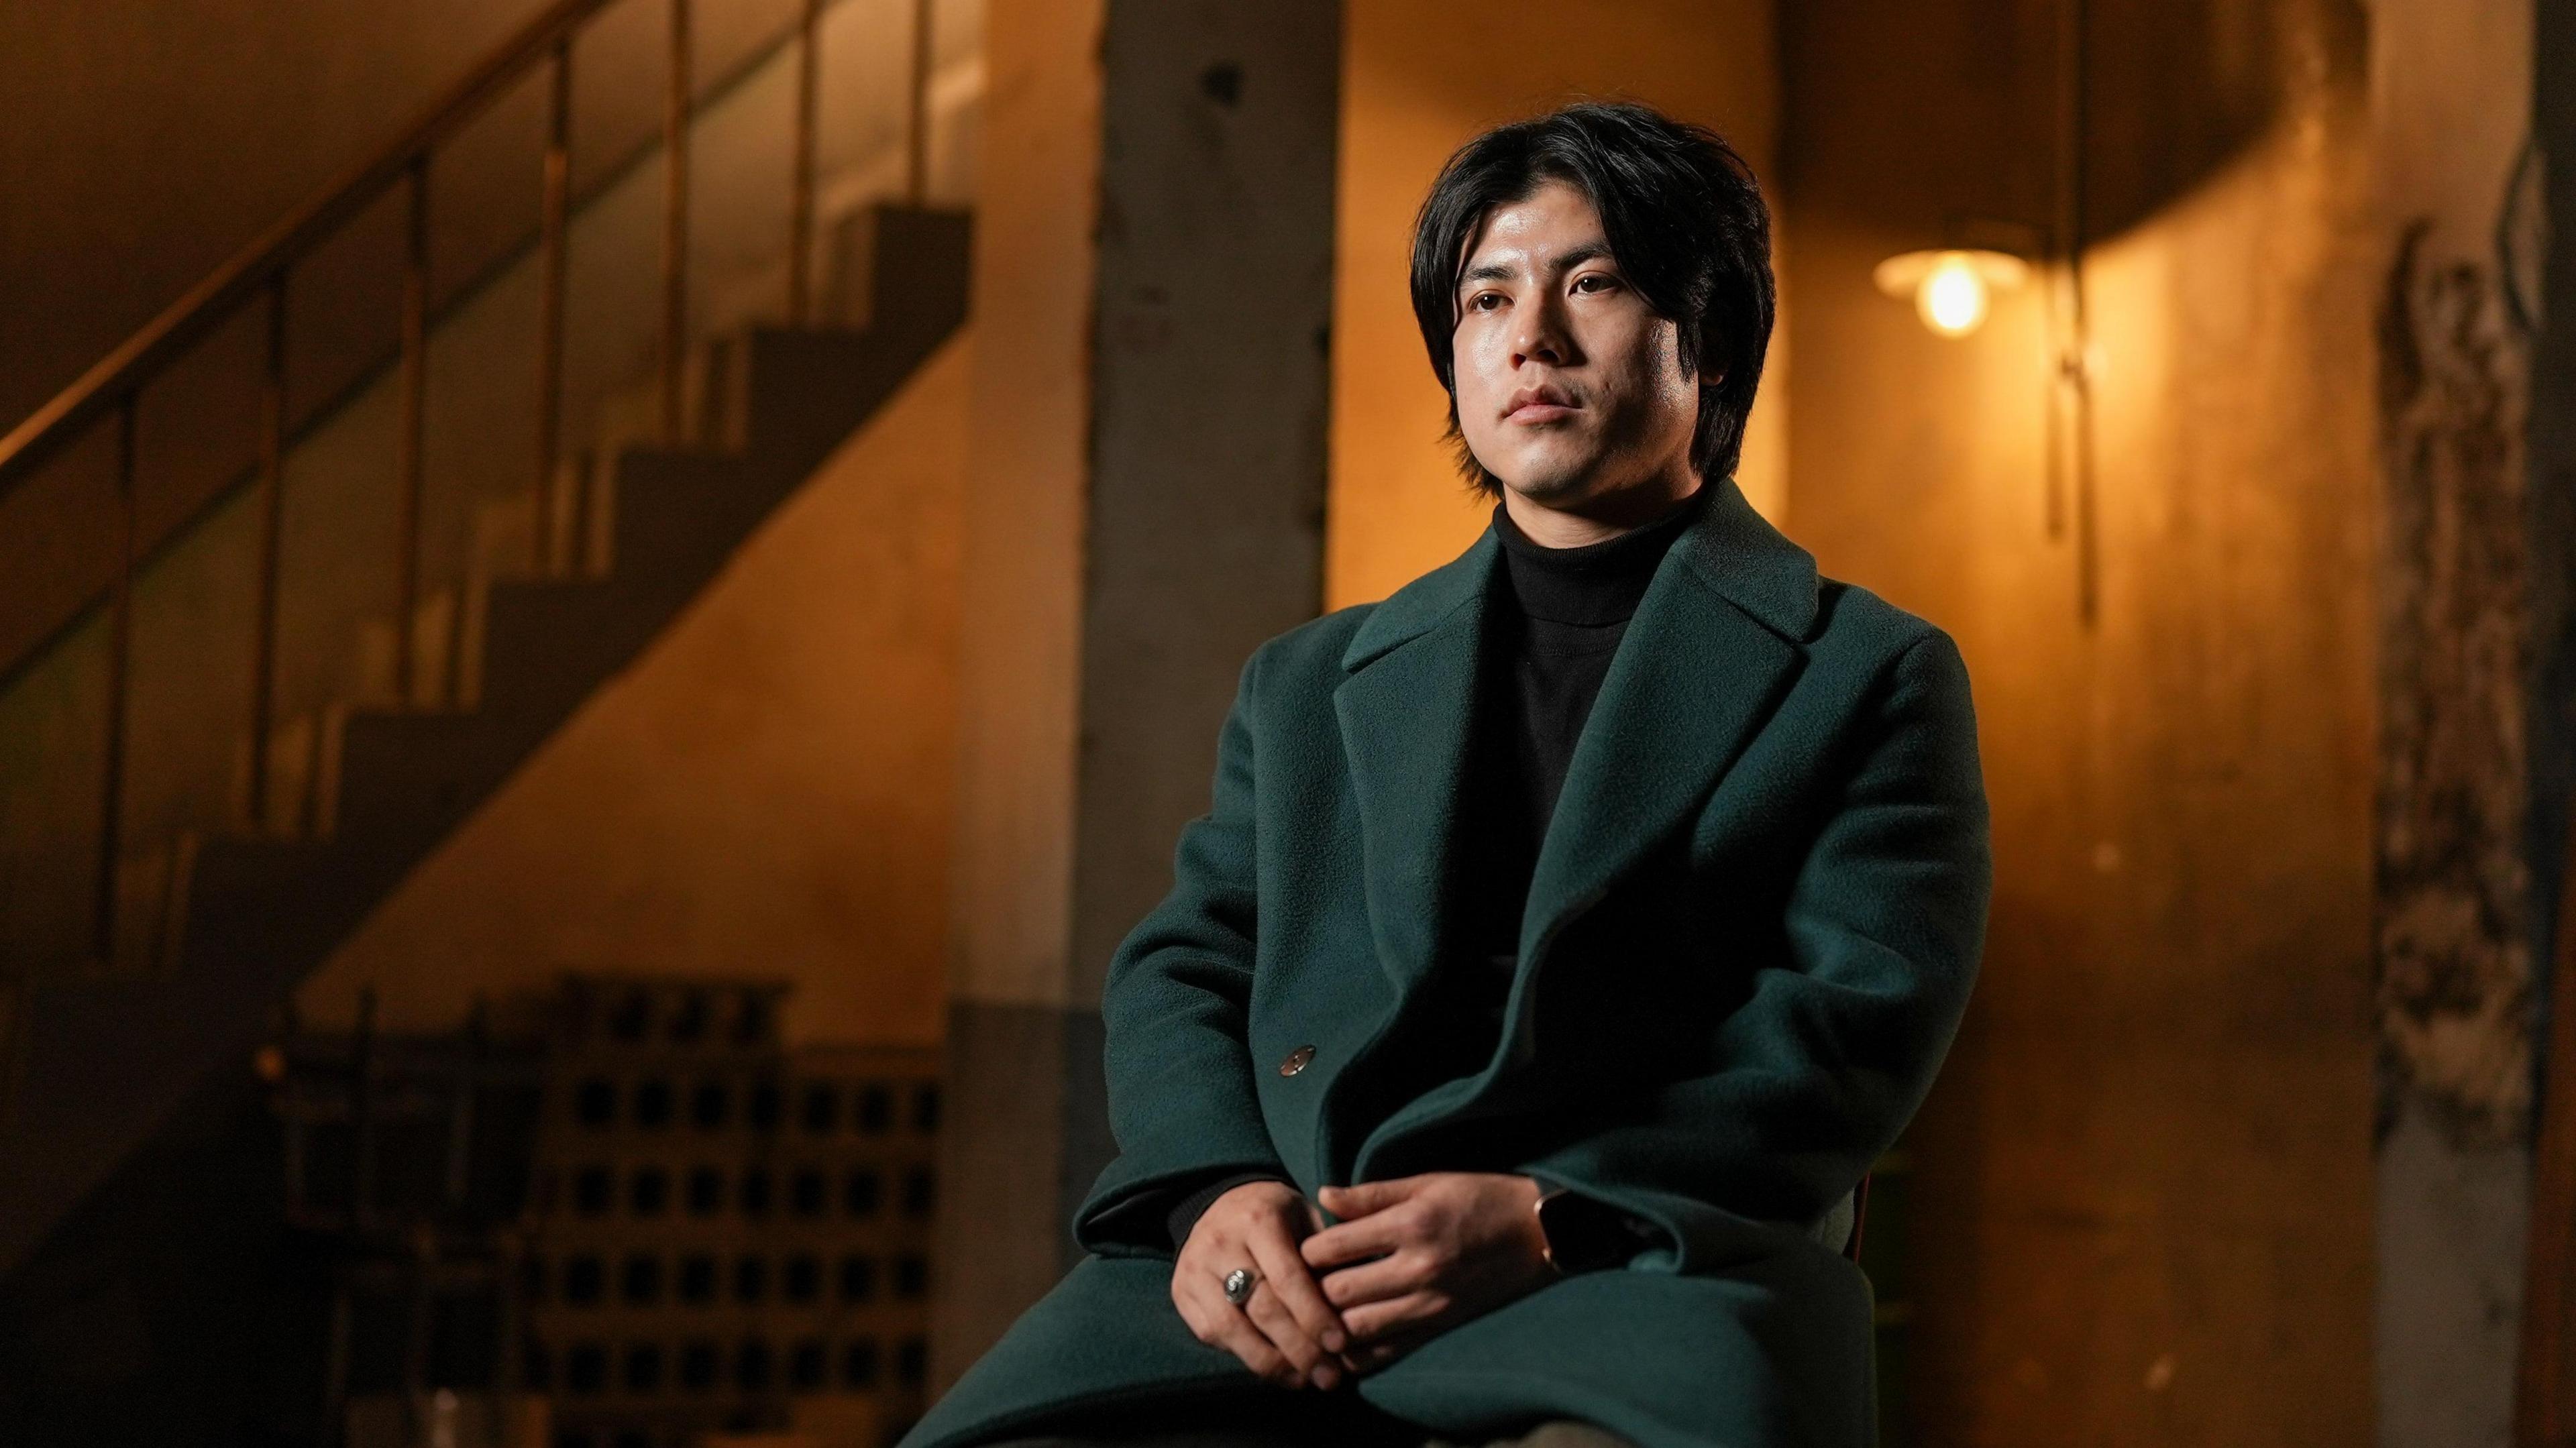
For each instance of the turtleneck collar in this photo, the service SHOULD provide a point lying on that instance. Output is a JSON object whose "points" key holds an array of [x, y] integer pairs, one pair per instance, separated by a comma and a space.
{"points": [[1595, 583]]}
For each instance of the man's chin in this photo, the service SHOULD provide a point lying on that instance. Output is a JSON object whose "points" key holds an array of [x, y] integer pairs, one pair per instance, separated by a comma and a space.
{"points": [[1555, 487]]}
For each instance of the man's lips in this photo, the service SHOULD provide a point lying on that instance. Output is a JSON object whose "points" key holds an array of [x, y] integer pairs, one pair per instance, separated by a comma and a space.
{"points": [[1538, 404]]}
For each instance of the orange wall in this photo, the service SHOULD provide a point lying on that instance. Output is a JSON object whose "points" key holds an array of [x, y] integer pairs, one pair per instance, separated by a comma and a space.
{"points": [[2141, 1207], [769, 791], [1417, 81]]}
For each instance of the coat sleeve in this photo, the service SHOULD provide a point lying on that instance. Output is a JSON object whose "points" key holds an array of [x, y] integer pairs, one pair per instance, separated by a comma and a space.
{"points": [[1181, 1098], [1822, 1065]]}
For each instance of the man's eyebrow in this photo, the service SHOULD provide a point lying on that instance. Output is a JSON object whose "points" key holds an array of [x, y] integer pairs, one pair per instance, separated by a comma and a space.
{"points": [[1494, 271]]}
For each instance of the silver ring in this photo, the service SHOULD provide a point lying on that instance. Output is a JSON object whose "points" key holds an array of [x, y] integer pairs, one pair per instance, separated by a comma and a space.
{"points": [[1238, 1285]]}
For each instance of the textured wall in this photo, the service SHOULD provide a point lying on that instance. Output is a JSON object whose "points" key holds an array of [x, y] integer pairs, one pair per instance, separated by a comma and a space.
{"points": [[1414, 89], [2142, 1194]]}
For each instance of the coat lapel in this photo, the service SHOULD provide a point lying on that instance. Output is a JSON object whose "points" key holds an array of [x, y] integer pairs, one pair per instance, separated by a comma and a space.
{"points": [[1407, 715], [1713, 643]]}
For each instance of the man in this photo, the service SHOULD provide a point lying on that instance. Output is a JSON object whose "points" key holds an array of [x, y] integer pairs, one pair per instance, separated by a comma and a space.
{"points": [[1569, 932]]}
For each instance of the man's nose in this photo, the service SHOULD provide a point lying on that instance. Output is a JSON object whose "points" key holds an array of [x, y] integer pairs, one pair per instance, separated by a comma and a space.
{"points": [[1542, 337]]}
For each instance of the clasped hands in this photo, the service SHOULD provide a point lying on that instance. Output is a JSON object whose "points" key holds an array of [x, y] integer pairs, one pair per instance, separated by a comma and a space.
{"points": [[1409, 1258]]}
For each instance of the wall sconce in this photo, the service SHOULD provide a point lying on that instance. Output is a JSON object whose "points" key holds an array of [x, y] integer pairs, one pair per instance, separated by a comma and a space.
{"points": [[1952, 288], [1953, 285]]}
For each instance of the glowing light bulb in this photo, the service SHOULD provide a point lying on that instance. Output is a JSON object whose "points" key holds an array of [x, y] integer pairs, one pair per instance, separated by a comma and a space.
{"points": [[1952, 297], [1953, 290]]}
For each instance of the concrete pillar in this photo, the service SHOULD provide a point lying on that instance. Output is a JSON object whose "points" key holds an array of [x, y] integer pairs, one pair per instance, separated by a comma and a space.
{"points": [[1152, 290]]}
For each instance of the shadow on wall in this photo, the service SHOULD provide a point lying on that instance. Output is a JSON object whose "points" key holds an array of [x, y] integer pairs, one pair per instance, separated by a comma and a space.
{"points": [[2176, 91], [1906, 115]]}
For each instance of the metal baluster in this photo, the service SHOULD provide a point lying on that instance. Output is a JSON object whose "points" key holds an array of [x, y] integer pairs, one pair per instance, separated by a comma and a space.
{"points": [[416, 1331], [120, 641], [407, 457], [362, 1114], [800, 209], [463, 598], [550, 304], [272, 493], [464, 1089], [318, 757], [585, 501], [341, 1348], [675, 222], [917, 145], [509, 1369]]}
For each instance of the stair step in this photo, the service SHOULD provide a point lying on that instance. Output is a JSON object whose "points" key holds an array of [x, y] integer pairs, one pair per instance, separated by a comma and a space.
{"points": [[924, 264], [410, 778], [680, 515], [807, 388]]}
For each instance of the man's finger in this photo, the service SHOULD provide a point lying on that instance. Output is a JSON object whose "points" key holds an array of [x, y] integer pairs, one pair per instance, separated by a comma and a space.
{"points": [[1220, 1323], [1204, 1309], [1237, 1335], [1378, 1281], [1194, 1313], [1286, 1334], [1374, 1320], [1285, 1272], [1368, 1357], [1353, 1241], [1366, 1197]]}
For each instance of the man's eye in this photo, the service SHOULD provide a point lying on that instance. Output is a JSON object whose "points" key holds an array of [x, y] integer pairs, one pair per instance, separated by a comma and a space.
{"points": [[1477, 302], [1585, 281]]}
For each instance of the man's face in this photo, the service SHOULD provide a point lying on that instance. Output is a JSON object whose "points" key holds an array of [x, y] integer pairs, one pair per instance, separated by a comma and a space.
{"points": [[1569, 389]]}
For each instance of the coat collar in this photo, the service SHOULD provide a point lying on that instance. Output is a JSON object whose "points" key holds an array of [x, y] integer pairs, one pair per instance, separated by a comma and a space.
{"points": [[1714, 639], [1732, 548]]}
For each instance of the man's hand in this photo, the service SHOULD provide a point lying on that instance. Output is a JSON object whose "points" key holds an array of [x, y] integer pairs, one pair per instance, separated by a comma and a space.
{"points": [[1417, 1255], [1287, 1332]]}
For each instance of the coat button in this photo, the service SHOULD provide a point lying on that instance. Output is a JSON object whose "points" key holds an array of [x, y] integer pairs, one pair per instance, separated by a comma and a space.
{"points": [[1296, 1061]]}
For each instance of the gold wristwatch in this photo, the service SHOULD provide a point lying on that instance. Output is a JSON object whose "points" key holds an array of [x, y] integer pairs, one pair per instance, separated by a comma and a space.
{"points": [[1579, 1234]]}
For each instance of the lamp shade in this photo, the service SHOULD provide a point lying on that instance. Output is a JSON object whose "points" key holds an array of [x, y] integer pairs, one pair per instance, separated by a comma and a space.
{"points": [[1952, 289]]}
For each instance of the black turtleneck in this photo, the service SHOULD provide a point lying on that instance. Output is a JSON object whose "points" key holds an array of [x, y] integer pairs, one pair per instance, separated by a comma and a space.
{"points": [[1570, 607], [1554, 618]]}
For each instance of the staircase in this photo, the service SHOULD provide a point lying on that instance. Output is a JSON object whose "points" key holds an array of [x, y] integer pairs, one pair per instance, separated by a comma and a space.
{"points": [[103, 1055]]}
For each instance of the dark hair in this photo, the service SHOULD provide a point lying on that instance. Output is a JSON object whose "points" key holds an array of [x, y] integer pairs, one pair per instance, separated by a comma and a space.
{"points": [[1684, 220]]}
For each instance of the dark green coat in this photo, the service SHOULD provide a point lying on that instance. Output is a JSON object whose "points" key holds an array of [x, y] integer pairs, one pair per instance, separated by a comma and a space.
{"points": [[1748, 942]]}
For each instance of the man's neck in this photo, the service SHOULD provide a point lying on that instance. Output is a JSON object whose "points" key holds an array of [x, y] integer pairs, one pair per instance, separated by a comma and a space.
{"points": [[1602, 516]]}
